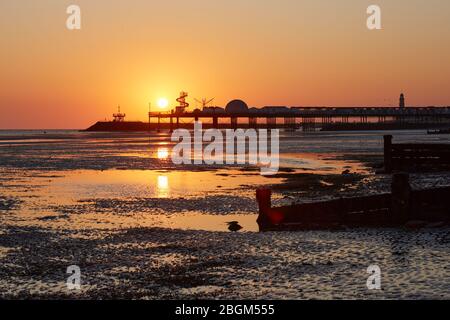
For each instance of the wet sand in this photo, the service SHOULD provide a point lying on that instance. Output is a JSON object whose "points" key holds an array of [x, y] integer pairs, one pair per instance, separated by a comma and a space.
{"points": [[141, 228], [153, 263]]}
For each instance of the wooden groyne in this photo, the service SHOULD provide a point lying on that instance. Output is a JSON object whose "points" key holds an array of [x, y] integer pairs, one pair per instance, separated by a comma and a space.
{"points": [[398, 208], [405, 156]]}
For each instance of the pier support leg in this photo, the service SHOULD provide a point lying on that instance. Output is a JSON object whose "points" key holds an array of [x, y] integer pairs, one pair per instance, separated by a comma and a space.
{"points": [[289, 123], [271, 122], [234, 123], [158, 129], [215, 123]]}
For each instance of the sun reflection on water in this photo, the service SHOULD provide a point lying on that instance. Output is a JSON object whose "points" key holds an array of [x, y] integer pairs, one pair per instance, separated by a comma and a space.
{"points": [[163, 186], [163, 153]]}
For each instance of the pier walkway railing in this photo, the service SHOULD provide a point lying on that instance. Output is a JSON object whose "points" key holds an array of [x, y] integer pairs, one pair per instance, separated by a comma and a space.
{"points": [[309, 117]]}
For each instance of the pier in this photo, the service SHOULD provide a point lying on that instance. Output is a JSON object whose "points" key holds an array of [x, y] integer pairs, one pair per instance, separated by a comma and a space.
{"points": [[237, 114]]}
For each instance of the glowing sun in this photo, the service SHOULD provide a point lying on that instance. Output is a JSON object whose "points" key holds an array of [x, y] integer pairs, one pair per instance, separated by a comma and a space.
{"points": [[163, 103]]}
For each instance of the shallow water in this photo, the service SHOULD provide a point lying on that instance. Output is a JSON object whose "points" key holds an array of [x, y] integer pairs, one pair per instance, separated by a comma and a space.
{"points": [[59, 171], [46, 195], [142, 227], [56, 172]]}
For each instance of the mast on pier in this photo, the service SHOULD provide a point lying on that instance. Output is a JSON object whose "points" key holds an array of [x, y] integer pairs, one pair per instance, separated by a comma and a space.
{"points": [[402, 101], [119, 117]]}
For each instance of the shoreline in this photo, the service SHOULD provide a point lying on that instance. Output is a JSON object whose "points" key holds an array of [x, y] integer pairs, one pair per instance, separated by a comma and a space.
{"points": [[135, 240]]}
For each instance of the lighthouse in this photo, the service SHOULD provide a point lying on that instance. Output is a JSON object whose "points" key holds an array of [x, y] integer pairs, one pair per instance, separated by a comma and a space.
{"points": [[402, 101]]}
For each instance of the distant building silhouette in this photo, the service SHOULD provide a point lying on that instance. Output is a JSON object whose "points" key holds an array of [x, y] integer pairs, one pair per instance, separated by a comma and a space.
{"points": [[402, 101], [236, 106], [119, 117]]}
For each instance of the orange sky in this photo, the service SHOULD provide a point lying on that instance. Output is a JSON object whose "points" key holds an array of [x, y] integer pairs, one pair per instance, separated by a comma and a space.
{"points": [[272, 52]]}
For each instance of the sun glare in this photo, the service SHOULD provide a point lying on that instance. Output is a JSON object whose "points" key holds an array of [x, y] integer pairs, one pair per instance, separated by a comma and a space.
{"points": [[163, 153], [163, 186], [163, 103]]}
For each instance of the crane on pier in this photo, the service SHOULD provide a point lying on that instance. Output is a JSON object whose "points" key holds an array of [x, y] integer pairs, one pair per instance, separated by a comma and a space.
{"points": [[204, 102]]}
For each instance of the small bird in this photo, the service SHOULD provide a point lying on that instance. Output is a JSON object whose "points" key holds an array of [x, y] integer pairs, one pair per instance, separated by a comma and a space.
{"points": [[234, 226]]}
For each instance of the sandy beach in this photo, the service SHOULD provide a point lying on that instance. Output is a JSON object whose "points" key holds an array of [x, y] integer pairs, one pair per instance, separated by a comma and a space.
{"points": [[140, 227]]}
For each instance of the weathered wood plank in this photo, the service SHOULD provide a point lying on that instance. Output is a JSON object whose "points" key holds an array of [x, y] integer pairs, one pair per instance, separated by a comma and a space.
{"points": [[404, 155], [383, 210]]}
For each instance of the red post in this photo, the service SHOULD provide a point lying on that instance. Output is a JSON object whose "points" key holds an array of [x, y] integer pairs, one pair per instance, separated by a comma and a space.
{"points": [[263, 196]]}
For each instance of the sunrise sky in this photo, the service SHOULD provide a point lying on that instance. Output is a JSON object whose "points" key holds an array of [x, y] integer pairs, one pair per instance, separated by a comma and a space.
{"points": [[266, 52]]}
